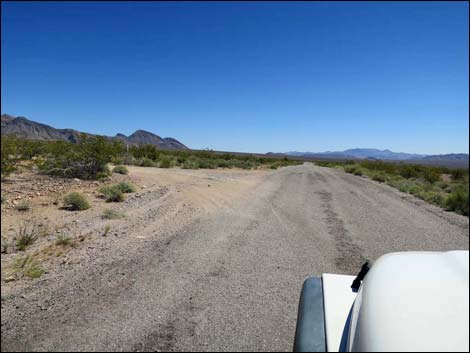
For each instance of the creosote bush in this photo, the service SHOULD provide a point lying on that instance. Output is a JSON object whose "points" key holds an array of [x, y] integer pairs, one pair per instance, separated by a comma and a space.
{"points": [[458, 201], [86, 159]]}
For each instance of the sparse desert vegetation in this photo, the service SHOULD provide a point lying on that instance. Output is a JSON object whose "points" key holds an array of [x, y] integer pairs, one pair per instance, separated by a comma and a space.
{"points": [[27, 266], [109, 213], [90, 156], [126, 187], [107, 229], [112, 193], [23, 206], [442, 186], [26, 234], [76, 202], [121, 169], [63, 240]]}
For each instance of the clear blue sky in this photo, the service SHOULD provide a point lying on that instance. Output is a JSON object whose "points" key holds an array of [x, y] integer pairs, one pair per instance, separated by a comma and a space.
{"points": [[256, 77]]}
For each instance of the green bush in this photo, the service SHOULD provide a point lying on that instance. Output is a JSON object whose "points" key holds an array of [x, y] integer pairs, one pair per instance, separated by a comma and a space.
{"points": [[26, 235], [165, 162], [126, 187], [10, 154], [146, 162], [86, 159], [431, 176], [380, 177], [28, 267], [408, 172], [190, 164], [358, 172], [120, 169], [112, 193], [433, 197], [63, 240], [23, 206], [458, 174], [75, 201], [206, 163], [350, 168], [149, 152], [112, 214], [458, 201]]}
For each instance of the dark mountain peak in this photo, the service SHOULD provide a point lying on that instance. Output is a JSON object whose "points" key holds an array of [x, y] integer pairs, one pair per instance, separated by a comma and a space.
{"points": [[36, 131], [143, 133], [6, 117]]}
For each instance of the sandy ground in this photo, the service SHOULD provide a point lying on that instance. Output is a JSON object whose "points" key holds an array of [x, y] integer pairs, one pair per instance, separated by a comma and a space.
{"points": [[209, 260], [165, 201]]}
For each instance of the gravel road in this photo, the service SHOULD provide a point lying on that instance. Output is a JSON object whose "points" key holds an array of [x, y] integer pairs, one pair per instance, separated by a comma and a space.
{"points": [[230, 280]]}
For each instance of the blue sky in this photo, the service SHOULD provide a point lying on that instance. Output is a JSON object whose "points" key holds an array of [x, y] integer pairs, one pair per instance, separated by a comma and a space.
{"points": [[253, 77]]}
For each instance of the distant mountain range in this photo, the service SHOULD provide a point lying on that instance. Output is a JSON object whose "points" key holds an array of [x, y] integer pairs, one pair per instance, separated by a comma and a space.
{"points": [[361, 153], [452, 159], [36, 131]]}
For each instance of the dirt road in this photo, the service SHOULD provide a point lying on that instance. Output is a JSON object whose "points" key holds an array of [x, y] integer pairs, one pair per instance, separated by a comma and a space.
{"points": [[228, 277]]}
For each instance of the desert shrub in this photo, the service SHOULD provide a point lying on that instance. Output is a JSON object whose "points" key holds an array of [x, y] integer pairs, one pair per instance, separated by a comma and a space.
{"points": [[8, 154], [380, 177], [112, 214], [86, 159], [458, 174], [432, 197], [222, 163], [408, 172], [63, 240], [129, 160], [431, 176], [6, 244], [458, 201], [75, 201], [206, 163], [442, 184], [28, 267], [26, 235], [23, 206], [190, 164], [165, 162], [247, 165], [126, 187], [146, 162], [104, 174], [107, 228], [415, 189], [120, 169], [112, 193], [358, 171], [350, 168], [144, 151]]}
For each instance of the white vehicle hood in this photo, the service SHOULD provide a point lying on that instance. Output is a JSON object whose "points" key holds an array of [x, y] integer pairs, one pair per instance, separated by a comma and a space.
{"points": [[415, 301]]}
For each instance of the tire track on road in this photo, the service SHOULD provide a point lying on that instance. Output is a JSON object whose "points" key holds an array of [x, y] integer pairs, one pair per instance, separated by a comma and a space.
{"points": [[349, 257]]}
